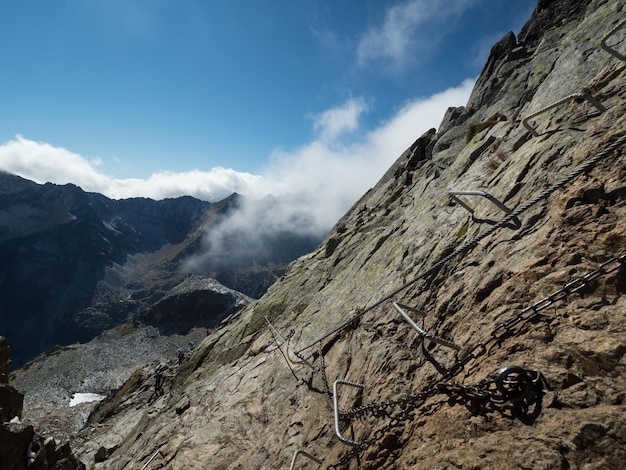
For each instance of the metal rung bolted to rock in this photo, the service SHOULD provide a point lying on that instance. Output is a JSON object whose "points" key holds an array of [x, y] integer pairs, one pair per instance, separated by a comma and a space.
{"points": [[513, 388], [343, 439], [575, 96], [454, 194], [400, 308], [304, 453], [608, 48]]}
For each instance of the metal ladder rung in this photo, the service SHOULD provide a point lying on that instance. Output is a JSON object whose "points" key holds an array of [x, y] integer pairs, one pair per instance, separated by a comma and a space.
{"points": [[343, 439], [306, 454], [494, 200], [158, 452], [423, 333], [485, 194], [574, 96], [609, 49]]}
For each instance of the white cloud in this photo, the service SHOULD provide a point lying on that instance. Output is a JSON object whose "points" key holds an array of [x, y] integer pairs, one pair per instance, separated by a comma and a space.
{"points": [[334, 175], [213, 185], [42, 162], [316, 183], [409, 28], [313, 185], [336, 121]]}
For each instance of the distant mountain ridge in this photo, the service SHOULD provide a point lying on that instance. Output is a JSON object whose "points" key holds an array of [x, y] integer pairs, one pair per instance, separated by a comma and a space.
{"points": [[75, 263]]}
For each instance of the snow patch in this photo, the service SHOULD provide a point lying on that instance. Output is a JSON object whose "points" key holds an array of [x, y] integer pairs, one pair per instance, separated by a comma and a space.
{"points": [[79, 398]]}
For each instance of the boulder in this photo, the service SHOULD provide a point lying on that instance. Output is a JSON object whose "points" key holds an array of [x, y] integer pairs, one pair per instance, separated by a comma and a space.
{"points": [[11, 403], [5, 360], [14, 441], [21, 447]]}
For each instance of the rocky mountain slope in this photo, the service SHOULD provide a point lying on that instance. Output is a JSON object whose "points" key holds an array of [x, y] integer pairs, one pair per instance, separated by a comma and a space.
{"points": [[519, 361], [73, 264]]}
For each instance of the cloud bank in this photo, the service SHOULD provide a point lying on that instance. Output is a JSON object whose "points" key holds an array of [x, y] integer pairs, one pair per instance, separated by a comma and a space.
{"points": [[310, 187]]}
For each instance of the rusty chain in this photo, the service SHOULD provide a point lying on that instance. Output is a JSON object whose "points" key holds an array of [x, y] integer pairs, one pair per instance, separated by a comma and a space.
{"points": [[505, 329], [512, 387], [327, 392]]}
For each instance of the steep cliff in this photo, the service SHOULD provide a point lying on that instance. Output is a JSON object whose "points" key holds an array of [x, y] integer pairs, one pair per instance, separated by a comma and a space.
{"points": [[532, 281]]}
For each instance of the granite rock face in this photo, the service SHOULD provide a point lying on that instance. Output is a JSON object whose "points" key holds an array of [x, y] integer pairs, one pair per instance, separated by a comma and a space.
{"points": [[496, 290]]}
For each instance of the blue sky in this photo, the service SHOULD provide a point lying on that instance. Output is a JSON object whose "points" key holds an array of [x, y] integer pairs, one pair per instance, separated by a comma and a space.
{"points": [[160, 97]]}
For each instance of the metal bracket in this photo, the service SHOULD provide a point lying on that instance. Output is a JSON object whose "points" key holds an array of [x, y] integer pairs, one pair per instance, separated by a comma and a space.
{"points": [[609, 49], [436, 339], [345, 440], [277, 337], [575, 96], [516, 223], [306, 454]]}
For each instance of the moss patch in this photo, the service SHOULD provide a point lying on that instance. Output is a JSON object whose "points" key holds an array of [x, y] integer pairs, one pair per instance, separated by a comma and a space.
{"points": [[461, 233]]}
